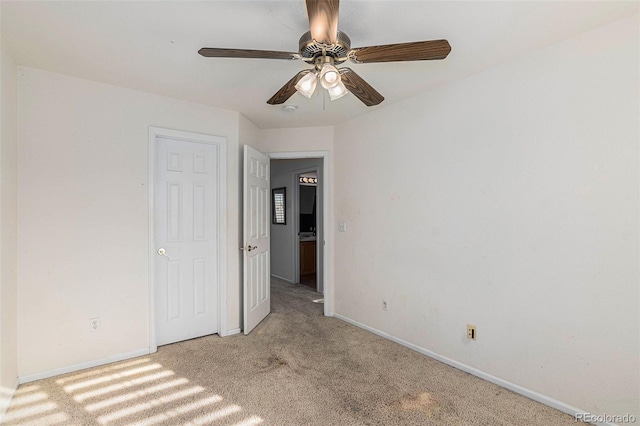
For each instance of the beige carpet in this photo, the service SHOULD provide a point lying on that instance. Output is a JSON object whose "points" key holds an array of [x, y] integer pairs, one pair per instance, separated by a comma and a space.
{"points": [[296, 368]]}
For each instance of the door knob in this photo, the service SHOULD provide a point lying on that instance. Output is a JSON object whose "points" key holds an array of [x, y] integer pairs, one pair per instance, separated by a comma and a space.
{"points": [[162, 252], [249, 248]]}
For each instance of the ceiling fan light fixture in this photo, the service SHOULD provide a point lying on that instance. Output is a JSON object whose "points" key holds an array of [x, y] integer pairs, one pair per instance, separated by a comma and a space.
{"points": [[307, 84], [329, 76], [337, 91]]}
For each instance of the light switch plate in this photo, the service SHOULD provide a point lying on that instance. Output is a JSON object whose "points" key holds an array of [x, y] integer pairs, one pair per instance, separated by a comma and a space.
{"points": [[342, 226]]}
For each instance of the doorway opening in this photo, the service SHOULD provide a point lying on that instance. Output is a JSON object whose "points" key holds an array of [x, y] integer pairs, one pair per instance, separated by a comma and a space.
{"points": [[299, 248]]}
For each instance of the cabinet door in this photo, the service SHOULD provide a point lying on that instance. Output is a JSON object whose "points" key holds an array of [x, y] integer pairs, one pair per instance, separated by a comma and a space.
{"points": [[307, 257]]}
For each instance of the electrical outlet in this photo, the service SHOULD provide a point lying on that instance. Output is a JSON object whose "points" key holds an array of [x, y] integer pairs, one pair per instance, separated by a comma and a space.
{"points": [[342, 226], [94, 324], [471, 332], [385, 305]]}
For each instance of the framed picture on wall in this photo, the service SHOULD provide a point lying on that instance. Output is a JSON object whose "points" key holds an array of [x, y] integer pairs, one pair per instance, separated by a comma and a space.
{"points": [[279, 206]]}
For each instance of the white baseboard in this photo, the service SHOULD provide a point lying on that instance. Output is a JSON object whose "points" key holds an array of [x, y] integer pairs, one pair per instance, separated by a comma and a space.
{"points": [[6, 395], [543, 399], [282, 278], [95, 363], [83, 365]]}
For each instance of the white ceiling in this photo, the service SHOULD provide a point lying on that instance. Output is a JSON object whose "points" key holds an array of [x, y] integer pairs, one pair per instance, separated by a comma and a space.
{"points": [[152, 46]]}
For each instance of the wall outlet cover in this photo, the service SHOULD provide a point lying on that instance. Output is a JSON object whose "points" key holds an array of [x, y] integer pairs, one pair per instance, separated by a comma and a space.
{"points": [[471, 332]]}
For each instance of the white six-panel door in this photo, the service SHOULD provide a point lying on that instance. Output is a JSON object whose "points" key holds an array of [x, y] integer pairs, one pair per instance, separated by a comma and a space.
{"points": [[186, 236], [256, 230]]}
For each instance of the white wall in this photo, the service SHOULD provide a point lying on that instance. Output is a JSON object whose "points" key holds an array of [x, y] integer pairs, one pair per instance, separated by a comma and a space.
{"points": [[248, 133], [508, 200], [83, 209], [8, 235], [283, 237], [296, 139]]}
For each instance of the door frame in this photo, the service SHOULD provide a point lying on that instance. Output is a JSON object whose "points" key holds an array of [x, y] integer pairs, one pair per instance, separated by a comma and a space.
{"points": [[327, 246], [296, 223], [221, 142]]}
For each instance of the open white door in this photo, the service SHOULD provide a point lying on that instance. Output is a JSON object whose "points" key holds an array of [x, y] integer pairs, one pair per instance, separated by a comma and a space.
{"points": [[256, 225]]}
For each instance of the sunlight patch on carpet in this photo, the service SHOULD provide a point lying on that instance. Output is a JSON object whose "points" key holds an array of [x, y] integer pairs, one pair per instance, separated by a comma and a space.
{"points": [[423, 402]]}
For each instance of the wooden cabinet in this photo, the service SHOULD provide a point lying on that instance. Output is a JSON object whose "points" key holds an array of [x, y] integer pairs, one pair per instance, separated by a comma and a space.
{"points": [[307, 258]]}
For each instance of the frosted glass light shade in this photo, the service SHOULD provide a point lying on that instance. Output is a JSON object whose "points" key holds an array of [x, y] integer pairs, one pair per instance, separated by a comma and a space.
{"points": [[337, 91], [329, 76], [307, 84]]}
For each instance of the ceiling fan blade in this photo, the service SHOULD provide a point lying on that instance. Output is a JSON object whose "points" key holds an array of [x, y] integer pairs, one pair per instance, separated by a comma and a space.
{"points": [[214, 52], [413, 51], [323, 20], [360, 88], [287, 90]]}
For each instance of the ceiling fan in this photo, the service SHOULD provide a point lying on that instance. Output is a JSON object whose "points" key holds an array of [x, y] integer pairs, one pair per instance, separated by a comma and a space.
{"points": [[324, 47]]}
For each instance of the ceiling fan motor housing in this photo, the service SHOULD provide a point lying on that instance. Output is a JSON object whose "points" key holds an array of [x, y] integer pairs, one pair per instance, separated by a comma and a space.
{"points": [[310, 49]]}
